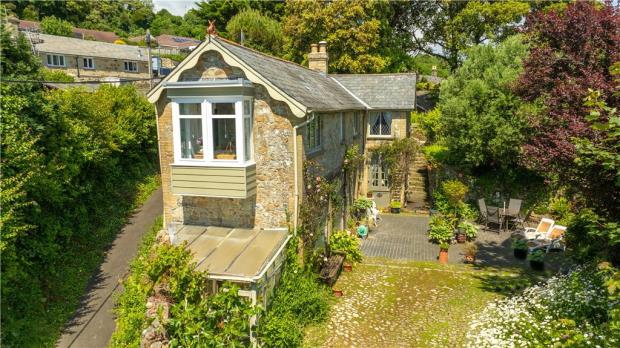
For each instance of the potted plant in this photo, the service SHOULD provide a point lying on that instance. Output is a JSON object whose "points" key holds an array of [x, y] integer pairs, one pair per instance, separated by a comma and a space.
{"points": [[537, 259], [395, 207], [469, 230], [519, 247], [337, 292], [441, 231], [470, 249], [348, 245], [369, 194]]}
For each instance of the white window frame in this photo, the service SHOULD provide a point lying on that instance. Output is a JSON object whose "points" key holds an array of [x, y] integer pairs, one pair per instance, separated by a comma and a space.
{"points": [[90, 66], [207, 118], [371, 120], [128, 64], [317, 123], [49, 60]]}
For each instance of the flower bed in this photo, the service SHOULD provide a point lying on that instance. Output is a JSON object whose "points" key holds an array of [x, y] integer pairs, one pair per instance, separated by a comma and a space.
{"points": [[575, 309]]}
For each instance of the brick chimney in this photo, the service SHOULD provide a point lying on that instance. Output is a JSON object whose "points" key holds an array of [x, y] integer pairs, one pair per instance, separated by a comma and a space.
{"points": [[317, 58]]}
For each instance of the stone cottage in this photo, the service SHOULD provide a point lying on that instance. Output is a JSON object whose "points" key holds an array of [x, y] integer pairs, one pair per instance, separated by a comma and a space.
{"points": [[90, 60], [235, 128]]}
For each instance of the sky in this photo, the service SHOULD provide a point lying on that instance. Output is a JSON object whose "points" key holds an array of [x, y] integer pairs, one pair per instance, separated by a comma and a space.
{"points": [[176, 7]]}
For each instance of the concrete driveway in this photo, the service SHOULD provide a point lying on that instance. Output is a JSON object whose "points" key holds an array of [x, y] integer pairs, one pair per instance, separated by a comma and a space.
{"points": [[93, 323]]}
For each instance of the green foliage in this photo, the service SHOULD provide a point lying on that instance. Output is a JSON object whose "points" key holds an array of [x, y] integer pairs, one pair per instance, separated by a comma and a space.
{"points": [[56, 76], [441, 230], [429, 122], [446, 29], [519, 244], [130, 306], [360, 206], [357, 33], [176, 57], [454, 191], [435, 154], [395, 204], [55, 26], [71, 162], [469, 229], [261, 32], [561, 210], [423, 63], [537, 255], [298, 301], [344, 242], [594, 237], [397, 155], [482, 123]]}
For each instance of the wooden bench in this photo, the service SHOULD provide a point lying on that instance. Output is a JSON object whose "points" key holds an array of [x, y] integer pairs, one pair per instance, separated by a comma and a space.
{"points": [[331, 269]]}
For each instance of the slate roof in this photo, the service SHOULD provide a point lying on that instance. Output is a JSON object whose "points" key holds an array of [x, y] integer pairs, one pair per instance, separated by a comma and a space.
{"points": [[176, 41], [381, 91], [88, 48], [311, 88], [80, 33]]}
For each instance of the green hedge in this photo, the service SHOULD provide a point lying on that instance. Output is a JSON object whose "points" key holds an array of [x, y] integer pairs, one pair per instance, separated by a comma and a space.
{"points": [[72, 164]]}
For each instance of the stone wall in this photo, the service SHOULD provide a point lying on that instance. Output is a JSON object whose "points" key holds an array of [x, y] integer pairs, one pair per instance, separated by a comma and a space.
{"points": [[104, 67], [273, 154]]}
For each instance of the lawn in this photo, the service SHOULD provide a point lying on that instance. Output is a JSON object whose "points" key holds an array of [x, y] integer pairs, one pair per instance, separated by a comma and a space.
{"points": [[389, 303]]}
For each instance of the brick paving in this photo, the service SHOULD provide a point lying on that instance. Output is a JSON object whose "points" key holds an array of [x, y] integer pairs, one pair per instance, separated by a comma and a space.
{"points": [[405, 236]]}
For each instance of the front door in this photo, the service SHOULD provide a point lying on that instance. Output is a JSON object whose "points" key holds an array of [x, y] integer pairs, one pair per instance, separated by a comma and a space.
{"points": [[378, 182]]}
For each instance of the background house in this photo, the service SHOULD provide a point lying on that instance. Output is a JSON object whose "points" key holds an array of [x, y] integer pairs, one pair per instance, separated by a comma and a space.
{"points": [[90, 60]]}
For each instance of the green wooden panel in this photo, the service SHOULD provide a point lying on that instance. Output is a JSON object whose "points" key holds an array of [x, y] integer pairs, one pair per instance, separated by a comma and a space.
{"points": [[210, 185], [208, 192]]}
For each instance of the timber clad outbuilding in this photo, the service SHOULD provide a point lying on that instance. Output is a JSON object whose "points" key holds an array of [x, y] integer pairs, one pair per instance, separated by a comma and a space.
{"points": [[236, 128]]}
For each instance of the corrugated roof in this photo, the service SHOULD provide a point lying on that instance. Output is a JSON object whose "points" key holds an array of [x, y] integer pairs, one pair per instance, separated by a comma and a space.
{"points": [[88, 48], [381, 91], [311, 88]]}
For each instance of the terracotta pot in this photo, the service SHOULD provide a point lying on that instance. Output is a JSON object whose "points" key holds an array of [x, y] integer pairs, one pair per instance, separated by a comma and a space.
{"points": [[470, 259], [395, 210], [443, 256], [337, 293], [348, 267], [461, 238], [369, 195], [539, 266], [520, 253]]}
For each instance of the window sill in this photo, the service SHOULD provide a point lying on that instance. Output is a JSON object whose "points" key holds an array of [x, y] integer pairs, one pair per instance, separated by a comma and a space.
{"points": [[381, 137], [214, 164]]}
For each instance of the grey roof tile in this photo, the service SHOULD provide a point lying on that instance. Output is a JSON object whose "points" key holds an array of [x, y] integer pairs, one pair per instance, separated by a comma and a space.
{"points": [[311, 88], [88, 48], [381, 91]]}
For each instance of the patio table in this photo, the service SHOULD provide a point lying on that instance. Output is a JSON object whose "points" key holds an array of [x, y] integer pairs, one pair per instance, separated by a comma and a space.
{"points": [[503, 214]]}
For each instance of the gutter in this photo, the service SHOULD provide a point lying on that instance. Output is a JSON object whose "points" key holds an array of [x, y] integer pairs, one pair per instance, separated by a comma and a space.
{"points": [[296, 170]]}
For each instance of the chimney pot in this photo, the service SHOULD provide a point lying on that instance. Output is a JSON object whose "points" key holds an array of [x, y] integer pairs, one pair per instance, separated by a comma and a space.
{"points": [[318, 58], [434, 70]]}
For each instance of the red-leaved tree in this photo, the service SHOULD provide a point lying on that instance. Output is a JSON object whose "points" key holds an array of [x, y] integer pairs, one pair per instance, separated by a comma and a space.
{"points": [[572, 50]]}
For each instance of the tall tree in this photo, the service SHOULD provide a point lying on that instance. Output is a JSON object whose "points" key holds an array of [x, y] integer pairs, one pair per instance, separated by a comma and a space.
{"points": [[357, 33], [572, 51], [260, 32], [55, 26], [446, 28], [481, 118]]}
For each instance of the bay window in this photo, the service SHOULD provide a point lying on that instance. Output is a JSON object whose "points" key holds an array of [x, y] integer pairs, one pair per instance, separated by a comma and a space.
{"points": [[212, 131]]}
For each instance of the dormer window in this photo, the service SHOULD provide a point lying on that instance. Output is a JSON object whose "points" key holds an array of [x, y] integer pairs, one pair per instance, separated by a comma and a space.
{"points": [[212, 131]]}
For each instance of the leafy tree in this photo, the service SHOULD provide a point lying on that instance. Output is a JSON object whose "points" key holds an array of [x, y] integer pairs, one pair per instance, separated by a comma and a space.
{"points": [[357, 33], [446, 28], [572, 52], [165, 23], [54, 26], [220, 11], [481, 123], [260, 32]]}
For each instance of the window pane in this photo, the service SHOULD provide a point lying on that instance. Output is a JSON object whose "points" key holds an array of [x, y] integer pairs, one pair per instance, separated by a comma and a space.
{"points": [[247, 137], [55, 60], [49, 60], [246, 107], [61, 60], [190, 109], [381, 123], [191, 138], [223, 108], [224, 139]]}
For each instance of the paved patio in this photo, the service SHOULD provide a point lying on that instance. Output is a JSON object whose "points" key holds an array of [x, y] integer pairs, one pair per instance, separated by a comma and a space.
{"points": [[403, 236]]}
